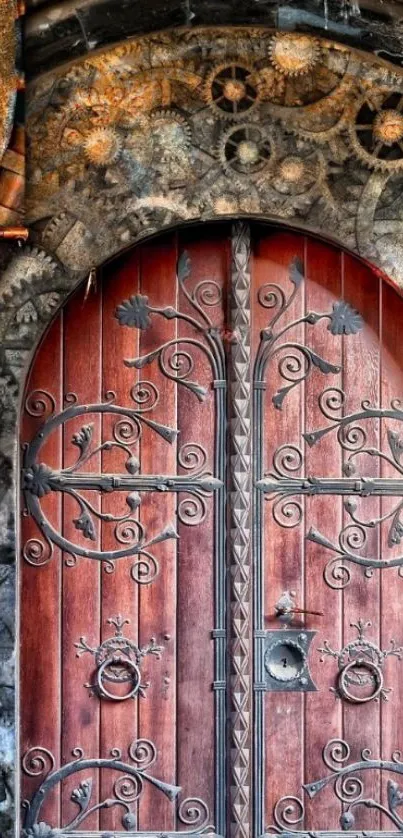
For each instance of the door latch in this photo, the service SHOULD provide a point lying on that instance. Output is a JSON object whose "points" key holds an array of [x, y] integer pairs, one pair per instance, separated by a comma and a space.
{"points": [[286, 608]]}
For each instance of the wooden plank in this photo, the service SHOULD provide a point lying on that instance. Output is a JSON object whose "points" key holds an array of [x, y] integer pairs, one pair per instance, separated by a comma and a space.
{"points": [[158, 600], [391, 581], [209, 260], [40, 588], [361, 597], [324, 513], [282, 547], [120, 281], [81, 581]]}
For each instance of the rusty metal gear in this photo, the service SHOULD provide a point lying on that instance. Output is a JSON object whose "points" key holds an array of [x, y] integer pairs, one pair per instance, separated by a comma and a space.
{"points": [[102, 146], [299, 173], [170, 128], [232, 90], [246, 149], [376, 131], [294, 54]]}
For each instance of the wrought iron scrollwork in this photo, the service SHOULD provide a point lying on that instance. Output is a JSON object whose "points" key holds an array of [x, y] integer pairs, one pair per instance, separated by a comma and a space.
{"points": [[118, 660], [360, 663], [176, 361], [285, 482], [38, 480], [285, 485], [349, 789], [195, 485], [127, 790], [296, 360]]}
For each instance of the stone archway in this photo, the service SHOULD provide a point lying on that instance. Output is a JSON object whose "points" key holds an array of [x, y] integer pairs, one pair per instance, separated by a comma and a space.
{"points": [[181, 127]]}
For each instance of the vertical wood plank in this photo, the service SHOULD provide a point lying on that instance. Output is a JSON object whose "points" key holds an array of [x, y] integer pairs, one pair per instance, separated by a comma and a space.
{"points": [[324, 513], [282, 547], [40, 715], [391, 581], [158, 600], [209, 261], [81, 581], [361, 597], [240, 448], [120, 281]]}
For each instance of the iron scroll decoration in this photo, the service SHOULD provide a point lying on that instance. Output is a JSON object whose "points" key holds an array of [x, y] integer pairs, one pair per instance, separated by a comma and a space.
{"points": [[196, 484], [360, 664], [349, 789], [282, 485], [118, 661], [127, 791]]}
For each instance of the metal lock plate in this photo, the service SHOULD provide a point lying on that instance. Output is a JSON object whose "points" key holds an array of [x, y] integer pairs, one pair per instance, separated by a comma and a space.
{"points": [[286, 660]]}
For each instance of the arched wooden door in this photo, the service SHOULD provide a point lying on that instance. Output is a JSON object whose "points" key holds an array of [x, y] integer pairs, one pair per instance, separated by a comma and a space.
{"points": [[210, 546]]}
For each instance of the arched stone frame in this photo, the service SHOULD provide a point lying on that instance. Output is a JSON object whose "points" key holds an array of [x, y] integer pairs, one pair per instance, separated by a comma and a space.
{"points": [[78, 226]]}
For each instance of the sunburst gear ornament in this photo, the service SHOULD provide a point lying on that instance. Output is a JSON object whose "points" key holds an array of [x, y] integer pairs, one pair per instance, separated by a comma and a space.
{"points": [[301, 72], [170, 129], [102, 146]]}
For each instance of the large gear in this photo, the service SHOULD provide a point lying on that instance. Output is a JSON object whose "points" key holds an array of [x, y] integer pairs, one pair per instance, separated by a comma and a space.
{"points": [[246, 149], [376, 131], [301, 73], [232, 91]]}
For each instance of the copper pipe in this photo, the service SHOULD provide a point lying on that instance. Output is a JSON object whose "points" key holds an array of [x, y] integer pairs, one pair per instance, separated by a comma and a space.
{"points": [[14, 233]]}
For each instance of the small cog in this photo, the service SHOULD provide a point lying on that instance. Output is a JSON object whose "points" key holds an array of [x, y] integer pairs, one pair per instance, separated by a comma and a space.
{"points": [[170, 129], [294, 55], [231, 90], [102, 146], [245, 149], [376, 132], [297, 174]]}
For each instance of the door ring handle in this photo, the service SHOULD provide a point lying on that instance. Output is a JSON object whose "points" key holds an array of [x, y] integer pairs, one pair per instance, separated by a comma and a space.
{"points": [[135, 678], [364, 664]]}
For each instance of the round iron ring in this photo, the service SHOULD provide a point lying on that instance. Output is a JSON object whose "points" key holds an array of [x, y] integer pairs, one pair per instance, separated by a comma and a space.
{"points": [[373, 668], [135, 678]]}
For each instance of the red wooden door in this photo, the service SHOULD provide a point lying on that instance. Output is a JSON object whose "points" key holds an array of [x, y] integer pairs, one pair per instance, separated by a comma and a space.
{"points": [[122, 613], [328, 730], [152, 698]]}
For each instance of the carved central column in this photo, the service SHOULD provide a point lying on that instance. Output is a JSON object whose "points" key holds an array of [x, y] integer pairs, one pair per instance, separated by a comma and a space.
{"points": [[240, 531]]}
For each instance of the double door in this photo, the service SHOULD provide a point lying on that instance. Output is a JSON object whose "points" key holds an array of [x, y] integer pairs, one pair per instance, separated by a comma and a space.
{"points": [[211, 521]]}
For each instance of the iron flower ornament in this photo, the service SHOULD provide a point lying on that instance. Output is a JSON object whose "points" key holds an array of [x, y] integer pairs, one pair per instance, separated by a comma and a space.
{"points": [[134, 312], [344, 320]]}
